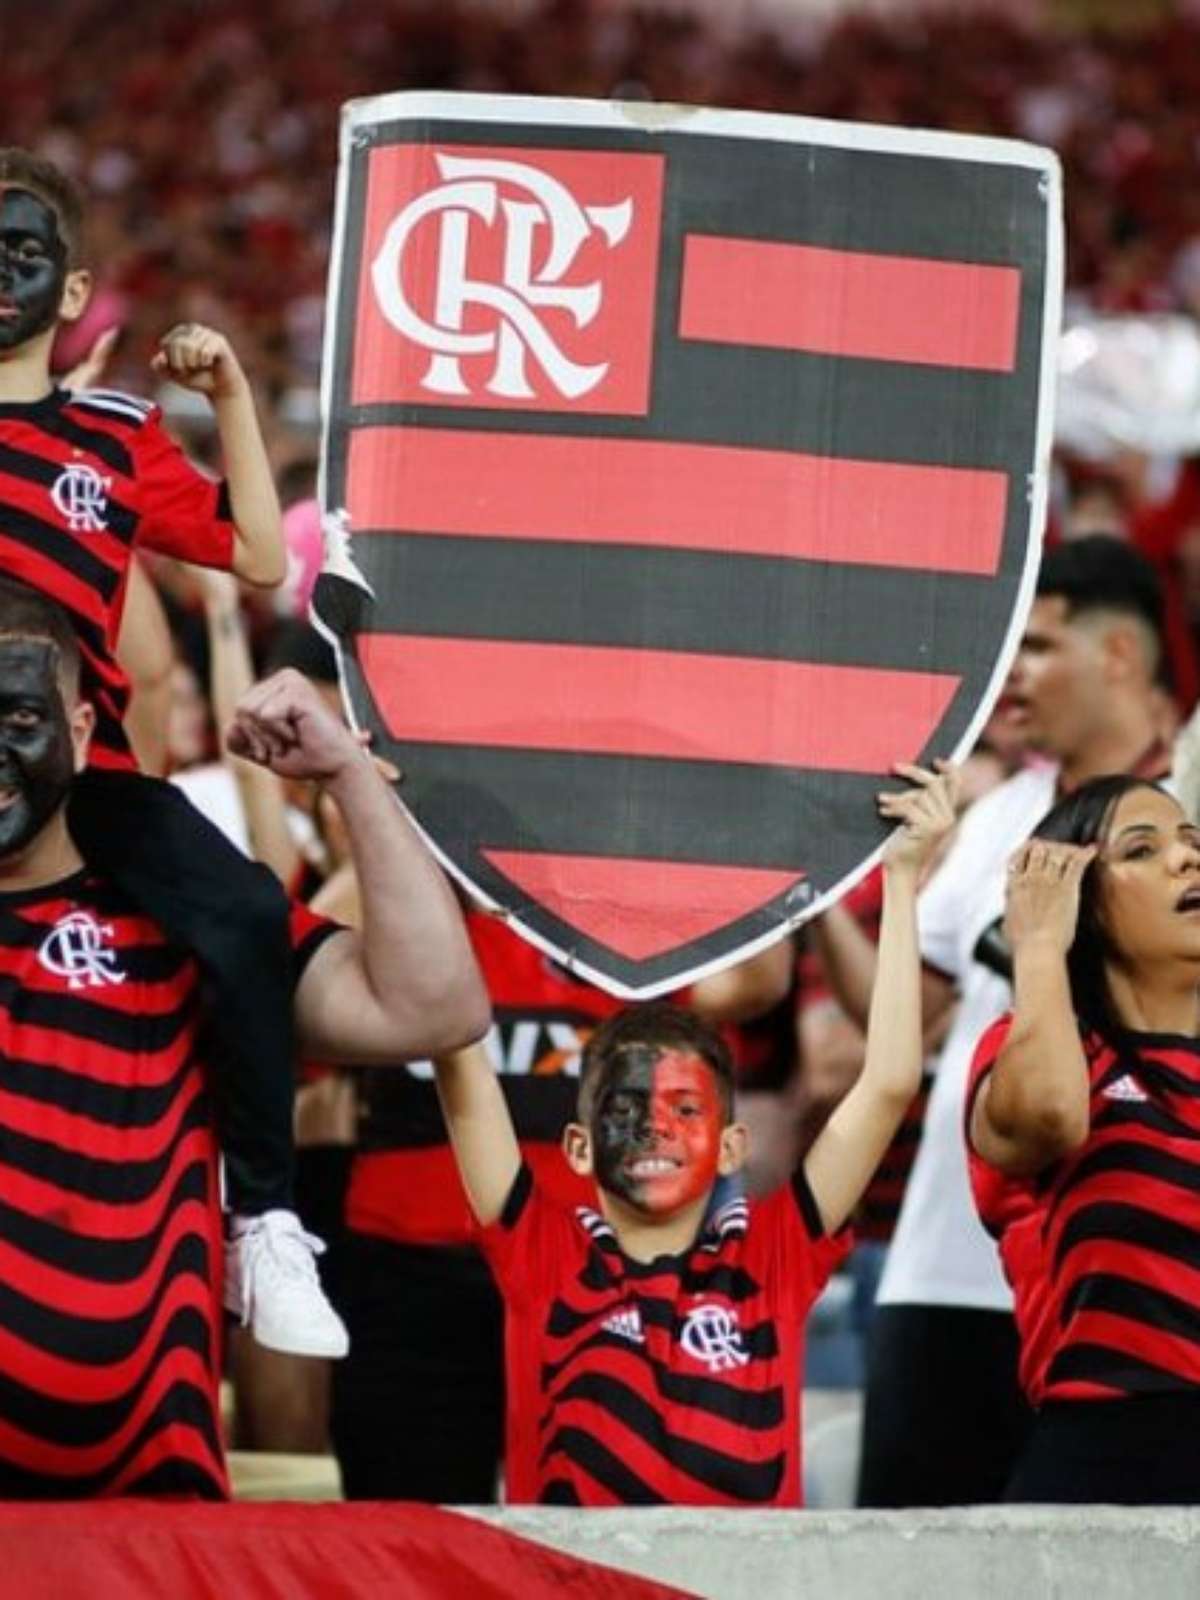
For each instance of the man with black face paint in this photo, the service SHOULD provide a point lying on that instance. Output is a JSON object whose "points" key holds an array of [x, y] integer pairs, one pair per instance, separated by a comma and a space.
{"points": [[110, 1236], [85, 480], [36, 751], [654, 1352]]}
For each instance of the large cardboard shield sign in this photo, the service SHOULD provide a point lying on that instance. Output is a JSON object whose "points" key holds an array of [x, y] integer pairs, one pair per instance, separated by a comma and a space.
{"points": [[692, 467]]}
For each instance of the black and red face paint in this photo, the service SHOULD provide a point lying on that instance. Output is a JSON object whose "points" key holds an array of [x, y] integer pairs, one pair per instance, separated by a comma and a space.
{"points": [[656, 1129], [33, 267]]}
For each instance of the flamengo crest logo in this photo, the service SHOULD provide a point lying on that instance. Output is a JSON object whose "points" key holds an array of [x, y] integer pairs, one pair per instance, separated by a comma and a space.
{"points": [[711, 1334], [80, 494], [543, 235], [75, 949]]}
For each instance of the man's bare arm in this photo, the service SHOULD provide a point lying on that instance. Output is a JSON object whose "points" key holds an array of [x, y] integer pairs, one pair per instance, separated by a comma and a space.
{"points": [[748, 988], [406, 984], [850, 959]]}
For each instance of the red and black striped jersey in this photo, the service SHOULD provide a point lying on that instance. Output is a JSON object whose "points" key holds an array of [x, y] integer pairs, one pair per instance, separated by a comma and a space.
{"points": [[84, 478], [670, 1382], [110, 1238], [1103, 1248]]}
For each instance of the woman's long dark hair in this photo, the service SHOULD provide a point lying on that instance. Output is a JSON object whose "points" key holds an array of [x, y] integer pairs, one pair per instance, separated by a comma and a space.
{"points": [[1083, 817]]}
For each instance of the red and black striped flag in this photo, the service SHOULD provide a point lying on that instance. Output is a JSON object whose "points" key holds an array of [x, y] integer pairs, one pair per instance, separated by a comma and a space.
{"points": [[694, 464]]}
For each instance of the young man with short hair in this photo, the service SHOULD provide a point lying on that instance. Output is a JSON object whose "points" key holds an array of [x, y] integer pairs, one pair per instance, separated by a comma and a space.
{"points": [[110, 1236]]}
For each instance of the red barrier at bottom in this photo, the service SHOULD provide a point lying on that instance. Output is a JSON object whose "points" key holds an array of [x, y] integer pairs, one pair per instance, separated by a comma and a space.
{"points": [[124, 1549]]}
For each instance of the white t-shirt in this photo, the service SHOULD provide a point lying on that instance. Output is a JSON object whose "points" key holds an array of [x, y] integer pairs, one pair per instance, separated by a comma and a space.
{"points": [[940, 1254], [213, 790]]}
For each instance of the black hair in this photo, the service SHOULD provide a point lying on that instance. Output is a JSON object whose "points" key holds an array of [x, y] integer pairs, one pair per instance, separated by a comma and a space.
{"points": [[1103, 573], [1083, 817], [28, 614], [21, 169], [657, 1026]]}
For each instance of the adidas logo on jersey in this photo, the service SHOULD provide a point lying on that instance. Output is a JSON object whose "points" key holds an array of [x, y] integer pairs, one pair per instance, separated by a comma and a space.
{"points": [[1125, 1088], [626, 1323]]}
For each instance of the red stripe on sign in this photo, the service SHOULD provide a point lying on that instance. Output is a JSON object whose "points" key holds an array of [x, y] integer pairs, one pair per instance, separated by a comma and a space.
{"points": [[651, 703], [681, 496], [846, 303], [641, 908]]}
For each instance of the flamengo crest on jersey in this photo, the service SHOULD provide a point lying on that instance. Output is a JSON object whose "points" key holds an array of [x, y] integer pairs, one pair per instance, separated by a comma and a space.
{"points": [[712, 1335], [690, 468], [79, 949], [80, 494]]}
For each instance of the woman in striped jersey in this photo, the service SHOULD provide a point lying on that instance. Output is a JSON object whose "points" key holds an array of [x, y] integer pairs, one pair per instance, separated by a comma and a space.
{"points": [[1083, 1122]]}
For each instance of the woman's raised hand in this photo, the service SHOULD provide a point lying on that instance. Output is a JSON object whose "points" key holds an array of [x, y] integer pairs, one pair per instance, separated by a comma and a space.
{"points": [[1042, 893]]}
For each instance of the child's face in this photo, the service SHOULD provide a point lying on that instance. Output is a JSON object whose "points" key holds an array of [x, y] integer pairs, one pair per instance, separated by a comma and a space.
{"points": [[656, 1129], [33, 267]]}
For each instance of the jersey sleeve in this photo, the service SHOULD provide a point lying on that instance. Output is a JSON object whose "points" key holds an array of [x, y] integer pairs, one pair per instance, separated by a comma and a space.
{"points": [[999, 1199], [531, 1243], [308, 931], [184, 513], [790, 1244]]}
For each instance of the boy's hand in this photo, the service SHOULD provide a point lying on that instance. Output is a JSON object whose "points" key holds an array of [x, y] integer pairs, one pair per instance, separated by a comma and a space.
{"points": [[200, 359], [1042, 893], [927, 812]]}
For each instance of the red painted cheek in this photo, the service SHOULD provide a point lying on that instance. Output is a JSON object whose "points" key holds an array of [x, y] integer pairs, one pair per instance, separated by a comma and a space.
{"points": [[695, 1141]]}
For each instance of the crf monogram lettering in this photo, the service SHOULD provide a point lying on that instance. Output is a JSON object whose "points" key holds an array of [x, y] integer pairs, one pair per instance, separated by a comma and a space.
{"points": [[711, 1334], [544, 232], [75, 949], [81, 495]]}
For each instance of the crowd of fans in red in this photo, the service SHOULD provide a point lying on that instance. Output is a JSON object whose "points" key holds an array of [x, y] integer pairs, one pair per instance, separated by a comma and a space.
{"points": [[205, 134]]}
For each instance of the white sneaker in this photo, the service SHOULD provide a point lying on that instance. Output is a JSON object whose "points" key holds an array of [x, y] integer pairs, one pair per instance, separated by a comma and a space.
{"points": [[272, 1287]]}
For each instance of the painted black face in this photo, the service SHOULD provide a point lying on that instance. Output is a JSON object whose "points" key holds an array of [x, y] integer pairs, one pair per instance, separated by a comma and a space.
{"points": [[621, 1123], [37, 761], [33, 267]]}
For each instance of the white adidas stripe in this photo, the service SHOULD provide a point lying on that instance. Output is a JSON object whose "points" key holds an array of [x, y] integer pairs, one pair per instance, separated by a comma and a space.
{"points": [[109, 400]]}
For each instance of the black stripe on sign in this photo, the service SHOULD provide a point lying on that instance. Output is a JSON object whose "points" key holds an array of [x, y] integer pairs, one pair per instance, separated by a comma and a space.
{"points": [[777, 400], [638, 597], [539, 800]]}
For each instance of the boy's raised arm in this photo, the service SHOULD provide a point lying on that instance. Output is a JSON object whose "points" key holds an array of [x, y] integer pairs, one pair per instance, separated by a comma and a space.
{"points": [[841, 1161], [200, 359], [480, 1128]]}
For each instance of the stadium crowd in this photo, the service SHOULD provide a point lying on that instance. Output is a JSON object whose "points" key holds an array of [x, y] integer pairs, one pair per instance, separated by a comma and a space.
{"points": [[228, 227]]}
